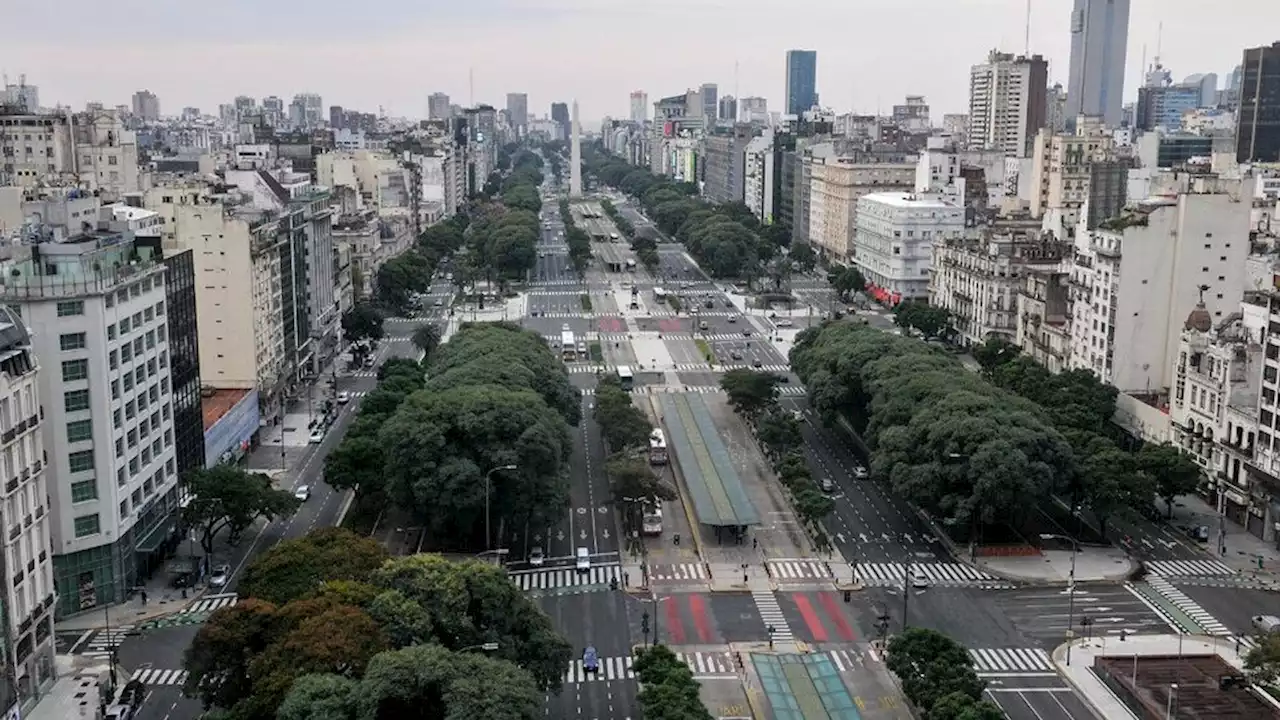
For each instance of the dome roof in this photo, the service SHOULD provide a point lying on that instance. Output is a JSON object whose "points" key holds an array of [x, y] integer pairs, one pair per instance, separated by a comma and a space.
{"points": [[1199, 319]]}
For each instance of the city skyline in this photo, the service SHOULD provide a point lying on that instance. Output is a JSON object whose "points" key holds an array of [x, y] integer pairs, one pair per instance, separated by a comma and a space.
{"points": [[538, 36]]}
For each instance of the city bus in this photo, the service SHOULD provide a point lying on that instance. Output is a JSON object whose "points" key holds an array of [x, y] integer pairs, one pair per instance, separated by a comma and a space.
{"points": [[659, 294], [626, 377], [651, 520], [657, 447], [567, 347]]}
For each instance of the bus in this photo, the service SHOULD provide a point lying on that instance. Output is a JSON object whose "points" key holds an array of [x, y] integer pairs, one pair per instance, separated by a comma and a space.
{"points": [[651, 520], [567, 347], [657, 447], [626, 377], [659, 294]]}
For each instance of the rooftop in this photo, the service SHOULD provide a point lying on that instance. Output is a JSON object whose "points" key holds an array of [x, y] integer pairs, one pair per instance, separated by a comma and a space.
{"points": [[911, 200], [218, 403], [719, 498]]}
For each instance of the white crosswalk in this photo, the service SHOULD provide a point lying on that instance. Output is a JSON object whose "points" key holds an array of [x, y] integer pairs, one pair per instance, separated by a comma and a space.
{"points": [[895, 574], [783, 390], [156, 676], [989, 661], [1188, 606], [363, 374], [798, 569], [103, 641], [678, 571], [762, 368], [1187, 568], [549, 578], [771, 614], [583, 369], [209, 603], [705, 665], [689, 367]]}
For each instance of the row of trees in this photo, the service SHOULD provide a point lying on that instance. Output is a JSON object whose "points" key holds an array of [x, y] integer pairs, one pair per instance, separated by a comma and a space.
{"points": [[930, 321], [643, 244], [1108, 478], [626, 432], [937, 676], [329, 627], [577, 239], [727, 240], [754, 396]]}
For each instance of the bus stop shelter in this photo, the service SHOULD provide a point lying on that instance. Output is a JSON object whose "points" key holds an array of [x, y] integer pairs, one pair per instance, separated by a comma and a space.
{"points": [[719, 499]]}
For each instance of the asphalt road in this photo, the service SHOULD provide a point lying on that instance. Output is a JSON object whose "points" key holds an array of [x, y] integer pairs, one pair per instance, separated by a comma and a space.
{"points": [[1233, 606], [598, 618]]}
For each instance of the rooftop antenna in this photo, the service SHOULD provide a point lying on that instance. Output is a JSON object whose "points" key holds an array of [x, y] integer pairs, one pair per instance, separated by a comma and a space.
{"points": [[1027, 50], [735, 78], [471, 86], [1159, 41]]}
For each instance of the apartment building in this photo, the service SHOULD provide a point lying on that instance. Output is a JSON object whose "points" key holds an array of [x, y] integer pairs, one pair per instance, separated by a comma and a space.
{"points": [[723, 164], [894, 240], [108, 409], [978, 276], [27, 584], [1061, 168], [1262, 457], [1006, 103], [760, 171], [1137, 277], [1044, 316], [835, 186]]}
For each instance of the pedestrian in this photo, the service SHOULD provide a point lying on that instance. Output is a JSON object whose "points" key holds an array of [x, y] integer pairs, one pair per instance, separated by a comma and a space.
{"points": [[755, 543], [144, 596]]}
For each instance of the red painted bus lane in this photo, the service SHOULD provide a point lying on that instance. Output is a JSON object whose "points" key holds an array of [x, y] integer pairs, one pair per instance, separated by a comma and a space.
{"points": [[698, 608], [810, 617], [674, 628], [828, 601]]}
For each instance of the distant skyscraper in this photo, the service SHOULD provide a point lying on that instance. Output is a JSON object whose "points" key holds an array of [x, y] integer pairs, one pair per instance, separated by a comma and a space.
{"points": [[575, 155], [273, 110], [1258, 119], [802, 80], [728, 109], [560, 116], [753, 110], [146, 106], [438, 106], [21, 95], [337, 117], [639, 106], [1007, 103], [710, 94], [518, 110], [1099, 38]]}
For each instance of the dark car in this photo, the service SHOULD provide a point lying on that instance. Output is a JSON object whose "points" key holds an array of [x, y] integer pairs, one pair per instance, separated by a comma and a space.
{"points": [[590, 661]]}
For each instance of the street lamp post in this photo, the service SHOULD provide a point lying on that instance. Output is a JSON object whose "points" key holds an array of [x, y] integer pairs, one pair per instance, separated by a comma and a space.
{"points": [[486, 647], [488, 477], [1071, 583]]}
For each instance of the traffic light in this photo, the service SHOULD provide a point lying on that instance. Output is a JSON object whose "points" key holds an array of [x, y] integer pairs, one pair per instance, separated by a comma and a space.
{"points": [[848, 596]]}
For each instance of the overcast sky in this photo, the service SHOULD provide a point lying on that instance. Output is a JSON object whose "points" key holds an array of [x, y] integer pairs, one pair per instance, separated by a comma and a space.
{"points": [[393, 53]]}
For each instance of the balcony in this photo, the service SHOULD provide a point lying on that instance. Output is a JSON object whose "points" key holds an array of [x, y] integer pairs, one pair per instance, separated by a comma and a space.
{"points": [[10, 486], [14, 532]]}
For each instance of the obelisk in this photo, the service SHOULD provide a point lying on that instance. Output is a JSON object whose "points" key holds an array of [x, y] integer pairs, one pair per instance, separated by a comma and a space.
{"points": [[575, 155]]}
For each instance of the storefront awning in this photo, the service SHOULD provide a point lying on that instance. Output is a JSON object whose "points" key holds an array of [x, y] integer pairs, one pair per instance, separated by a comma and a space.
{"points": [[152, 540]]}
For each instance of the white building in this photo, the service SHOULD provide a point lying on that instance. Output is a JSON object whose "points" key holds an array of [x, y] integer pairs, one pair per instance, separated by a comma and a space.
{"points": [[1138, 276], [106, 155], [1044, 317], [835, 186], [893, 243], [639, 106], [98, 304], [758, 187], [27, 584], [1006, 103]]}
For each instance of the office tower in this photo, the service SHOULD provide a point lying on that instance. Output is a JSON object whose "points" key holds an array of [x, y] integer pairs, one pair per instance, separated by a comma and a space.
{"points": [[1258, 119], [438, 106], [273, 112], [575, 156], [709, 93], [639, 106], [107, 407], [560, 116], [518, 111], [1099, 38], [753, 110], [306, 111], [728, 109], [1007, 103], [337, 119], [802, 81], [146, 106]]}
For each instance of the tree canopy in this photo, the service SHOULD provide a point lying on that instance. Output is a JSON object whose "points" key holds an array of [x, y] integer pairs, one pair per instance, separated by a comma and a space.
{"points": [[929, 320], [963, 450], [293, 569], [225, 497], [395, 642], [937, 675], [668, 690], [363, 321]]}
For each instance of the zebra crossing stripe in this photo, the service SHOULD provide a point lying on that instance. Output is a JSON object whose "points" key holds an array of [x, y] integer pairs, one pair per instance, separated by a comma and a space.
{"points": [[702, 664], [208, 605], [1192, 609], [610, 668], [771, 613], [547, 578], [678, 571], [1187, 568], [940, 573], [799, 570], [1011, 660], [154, 676]]}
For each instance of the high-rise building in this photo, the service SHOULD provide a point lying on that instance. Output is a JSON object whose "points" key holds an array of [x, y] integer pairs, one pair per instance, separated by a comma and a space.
{"points": [[107, 408], [1099, 39], [273, 112], [560, 116], [709, 94], [753, 110], [802, 80], [575, 155], [518, 111], [146, 106], [1258, 118], [639, 106], [306, 111], [1007, 103], [438, 106], [728, 109]]}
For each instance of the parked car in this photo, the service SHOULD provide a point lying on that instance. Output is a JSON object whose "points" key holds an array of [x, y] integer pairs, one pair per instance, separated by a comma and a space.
{"points": [[344, 397], [317, 435]]}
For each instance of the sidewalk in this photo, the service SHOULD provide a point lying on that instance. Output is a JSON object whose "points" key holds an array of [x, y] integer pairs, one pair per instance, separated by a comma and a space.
{"points": [[1243, 550], [75, 694], [1053, 567]]}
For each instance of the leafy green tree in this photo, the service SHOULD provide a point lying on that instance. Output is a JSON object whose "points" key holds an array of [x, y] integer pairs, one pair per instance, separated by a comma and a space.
{"points": [[362, 322], [295, 568], [225, 497], [1262, 663], [803, 257], [930, 320], [668, 690], [846, 281], [931, 666], [750, 392], [779, 433], [429, 681], [426, 338], [218, 658], [1172, 472], [993, 353], [631, 477], [400, 277], [320, 697], [959, 706], [624, 426]]}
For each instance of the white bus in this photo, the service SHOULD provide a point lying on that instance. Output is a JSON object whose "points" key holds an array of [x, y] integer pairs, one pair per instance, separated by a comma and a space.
{"points": [[631, 265], [567, 347], [626, 377], [651, 521], [659, 294], [657, 447]]}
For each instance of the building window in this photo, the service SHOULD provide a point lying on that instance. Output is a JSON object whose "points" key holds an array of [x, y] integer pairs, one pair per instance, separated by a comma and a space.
{"points": [[75, 370], [80, 461], [67, 308], [75, 400], [79, 430], [84, 491], [124, 326], [71, 341], [111, 332], [124, 509], [87, 525]]}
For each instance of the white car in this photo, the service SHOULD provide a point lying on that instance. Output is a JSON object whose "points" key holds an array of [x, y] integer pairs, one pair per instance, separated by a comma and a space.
{"points": [[317, 435], [303, 493], [344, 397], [583, 563], [919, 580], [218, 578], [537, 558]]}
